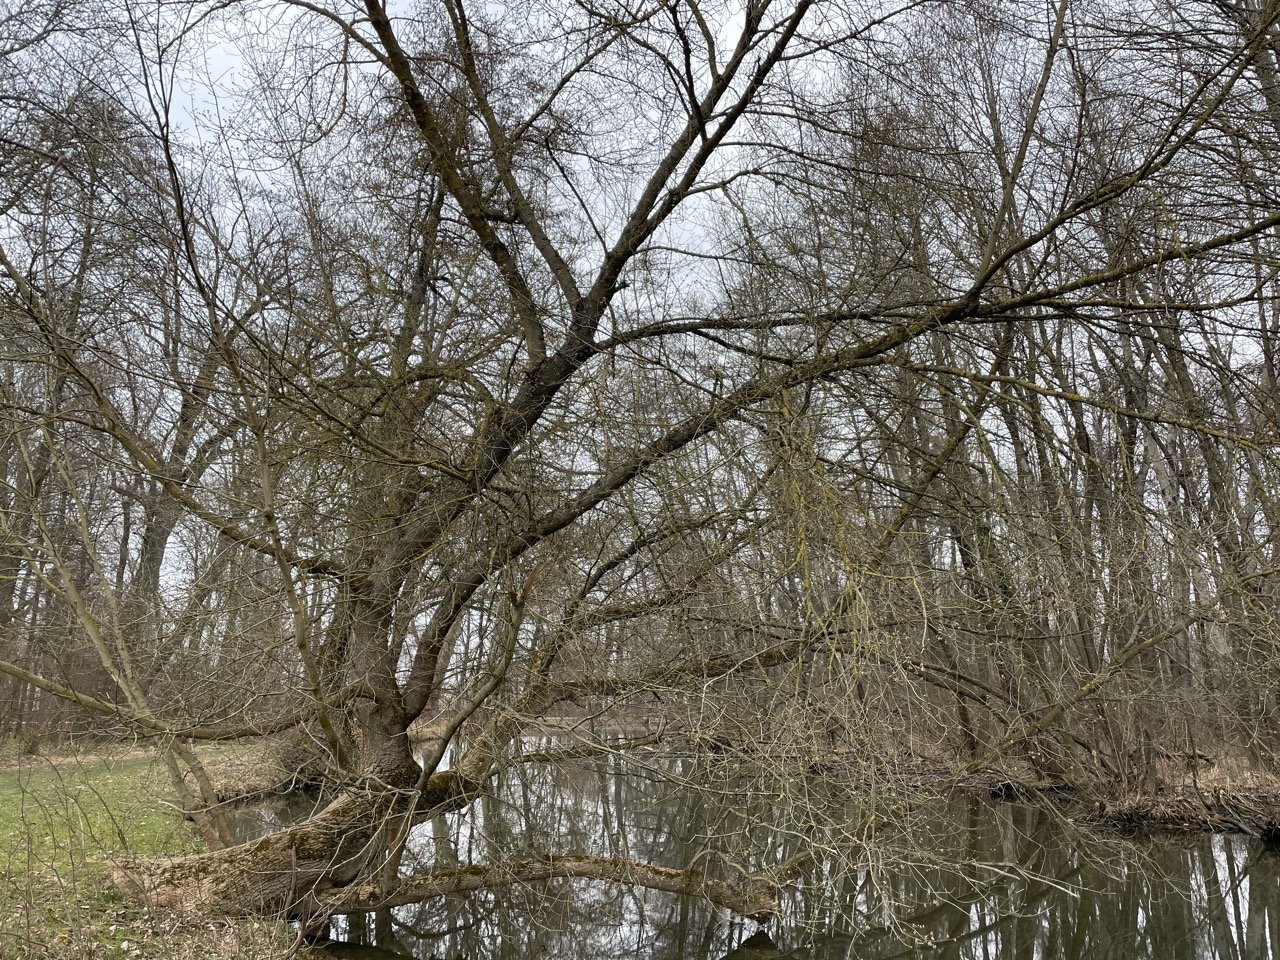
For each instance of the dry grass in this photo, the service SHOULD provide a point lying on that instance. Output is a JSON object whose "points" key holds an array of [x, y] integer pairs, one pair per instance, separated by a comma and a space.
{"points": [[245, 770]]}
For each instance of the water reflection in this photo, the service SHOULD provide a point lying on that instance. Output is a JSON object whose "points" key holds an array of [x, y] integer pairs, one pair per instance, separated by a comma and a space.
{"points": [[964, 880], [1193, 898]]}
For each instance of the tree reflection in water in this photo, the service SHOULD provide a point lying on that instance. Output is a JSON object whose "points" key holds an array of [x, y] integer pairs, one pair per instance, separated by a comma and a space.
{"points": [[965, 880]]}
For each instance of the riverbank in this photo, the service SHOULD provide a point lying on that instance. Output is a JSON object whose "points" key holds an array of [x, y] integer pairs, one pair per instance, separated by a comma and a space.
{"points": [[1212, 795], [1215, 794], [64, 816]]}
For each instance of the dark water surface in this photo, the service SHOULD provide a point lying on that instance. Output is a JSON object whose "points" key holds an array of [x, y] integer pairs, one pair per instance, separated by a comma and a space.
{"points": [[964, 879]]}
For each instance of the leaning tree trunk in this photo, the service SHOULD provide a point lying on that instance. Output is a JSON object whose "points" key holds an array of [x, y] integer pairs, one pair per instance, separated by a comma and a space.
{"points": [[290, 872]]}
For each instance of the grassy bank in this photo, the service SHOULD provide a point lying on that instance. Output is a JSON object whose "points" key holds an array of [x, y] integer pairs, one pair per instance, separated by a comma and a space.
{"points": [[63, 818]]}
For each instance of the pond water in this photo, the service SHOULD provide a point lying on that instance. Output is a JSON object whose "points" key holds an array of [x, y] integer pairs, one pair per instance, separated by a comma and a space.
{"points": [[962, 879]]}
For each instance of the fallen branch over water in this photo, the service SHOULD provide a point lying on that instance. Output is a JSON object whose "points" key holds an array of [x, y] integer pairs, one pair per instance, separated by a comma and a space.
{"points": [[754, 902]]}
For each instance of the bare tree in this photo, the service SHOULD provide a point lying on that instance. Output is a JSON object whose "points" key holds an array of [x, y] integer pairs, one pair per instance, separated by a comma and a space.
{"points": [[796, 375]]}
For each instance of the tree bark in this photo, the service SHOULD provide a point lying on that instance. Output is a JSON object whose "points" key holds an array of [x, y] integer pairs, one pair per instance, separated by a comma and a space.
{"points": [[751, 901], [292, 871]]}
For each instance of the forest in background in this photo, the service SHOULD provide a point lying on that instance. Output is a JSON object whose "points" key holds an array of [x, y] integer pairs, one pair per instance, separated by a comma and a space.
{"points": [[797, 383]]}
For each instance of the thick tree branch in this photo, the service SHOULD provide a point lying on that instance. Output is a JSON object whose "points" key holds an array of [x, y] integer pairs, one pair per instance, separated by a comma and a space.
{"points": [[756, 903]]}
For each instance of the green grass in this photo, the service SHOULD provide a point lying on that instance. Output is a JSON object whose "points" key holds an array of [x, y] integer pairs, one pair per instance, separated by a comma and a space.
{"points": [[62, 822], [80, 811]]}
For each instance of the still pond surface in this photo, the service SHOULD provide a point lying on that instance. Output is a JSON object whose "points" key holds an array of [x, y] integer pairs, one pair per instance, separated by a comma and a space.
{"points": [[961, 880]]}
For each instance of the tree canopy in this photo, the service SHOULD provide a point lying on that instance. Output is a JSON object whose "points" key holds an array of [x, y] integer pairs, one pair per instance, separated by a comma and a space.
{"points": [[774, 379]]}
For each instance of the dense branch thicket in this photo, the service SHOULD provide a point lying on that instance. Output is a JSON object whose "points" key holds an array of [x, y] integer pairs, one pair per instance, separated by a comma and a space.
{"points": [[789, 378]]}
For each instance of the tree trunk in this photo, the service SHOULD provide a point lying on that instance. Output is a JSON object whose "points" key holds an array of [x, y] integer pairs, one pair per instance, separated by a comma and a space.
{"points": [[290, 871], [286, 872]]}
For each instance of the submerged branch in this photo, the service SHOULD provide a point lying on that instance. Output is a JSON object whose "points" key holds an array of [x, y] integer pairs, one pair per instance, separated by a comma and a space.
{"points": [[753, 902]]}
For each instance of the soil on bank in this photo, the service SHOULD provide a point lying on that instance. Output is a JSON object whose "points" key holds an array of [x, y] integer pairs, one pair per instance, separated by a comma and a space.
{"points": [[1206, 794], [252, 770]]}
